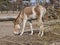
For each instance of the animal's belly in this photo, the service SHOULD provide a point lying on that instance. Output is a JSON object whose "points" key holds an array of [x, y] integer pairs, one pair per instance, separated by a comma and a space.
{"points": [[32, 17]]}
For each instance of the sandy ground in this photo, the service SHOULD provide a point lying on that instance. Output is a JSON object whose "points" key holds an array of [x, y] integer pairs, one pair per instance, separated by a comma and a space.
{"points": [[6, 28], [8, 38]]}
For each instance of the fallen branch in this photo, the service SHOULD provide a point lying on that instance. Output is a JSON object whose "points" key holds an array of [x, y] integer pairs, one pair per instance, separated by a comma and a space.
{"points": [[7, 18]]}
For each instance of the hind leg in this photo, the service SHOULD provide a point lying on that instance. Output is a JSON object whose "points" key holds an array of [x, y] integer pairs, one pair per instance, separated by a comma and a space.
{"points": [[41, 25], [41, 31], [42, 13]]}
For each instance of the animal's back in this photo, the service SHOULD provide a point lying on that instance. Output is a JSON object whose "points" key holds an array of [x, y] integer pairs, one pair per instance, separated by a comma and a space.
{"points": [[28, 10]]}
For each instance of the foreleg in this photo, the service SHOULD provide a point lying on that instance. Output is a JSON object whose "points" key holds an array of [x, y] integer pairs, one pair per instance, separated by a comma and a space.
{"points": [[31, 27], [24, 23]]}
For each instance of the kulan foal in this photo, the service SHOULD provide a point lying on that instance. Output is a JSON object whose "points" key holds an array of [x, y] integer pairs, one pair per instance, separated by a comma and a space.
{"points": [[28, 14]]}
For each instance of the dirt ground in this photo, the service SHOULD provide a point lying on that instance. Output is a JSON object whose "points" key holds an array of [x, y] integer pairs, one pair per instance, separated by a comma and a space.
{"points": [[7, 37]]}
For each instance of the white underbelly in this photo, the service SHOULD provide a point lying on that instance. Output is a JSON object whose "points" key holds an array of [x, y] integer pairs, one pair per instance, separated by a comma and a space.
{"points": [[32, 16]]}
